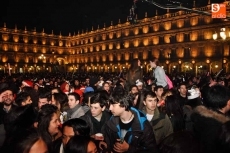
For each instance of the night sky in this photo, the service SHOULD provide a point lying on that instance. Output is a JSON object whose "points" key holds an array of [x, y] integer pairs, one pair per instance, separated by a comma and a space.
{"points": [[73, 15]]}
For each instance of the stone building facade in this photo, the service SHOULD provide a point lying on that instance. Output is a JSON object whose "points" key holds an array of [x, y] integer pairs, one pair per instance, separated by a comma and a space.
{"points": [[183, 41]]}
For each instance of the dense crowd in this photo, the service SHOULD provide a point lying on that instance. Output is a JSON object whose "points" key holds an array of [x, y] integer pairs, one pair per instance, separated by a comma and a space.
{"points": [[115, 112]]}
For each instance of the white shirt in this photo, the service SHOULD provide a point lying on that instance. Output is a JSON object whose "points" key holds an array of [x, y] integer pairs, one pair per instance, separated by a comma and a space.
{"points": [[149, 117], [61, 148]]}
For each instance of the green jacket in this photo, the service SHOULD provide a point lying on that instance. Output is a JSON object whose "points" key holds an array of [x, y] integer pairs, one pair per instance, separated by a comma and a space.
{"points": [[161, 124]]}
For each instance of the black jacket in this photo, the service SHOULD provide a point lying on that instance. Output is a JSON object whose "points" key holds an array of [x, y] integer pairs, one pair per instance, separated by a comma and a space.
{"points": [[140, 137], [181, 100], [90, 121], [206, 126], [56, 145], [4, 116]]}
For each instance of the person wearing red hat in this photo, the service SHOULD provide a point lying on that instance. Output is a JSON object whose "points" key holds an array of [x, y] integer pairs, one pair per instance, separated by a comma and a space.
{"points": [[65, 88], [27, 83]]}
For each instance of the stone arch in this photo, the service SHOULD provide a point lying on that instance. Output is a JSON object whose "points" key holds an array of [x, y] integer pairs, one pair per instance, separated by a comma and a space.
{"points": [[201, 67], [187, 67], [61, 60], [216, 66], [174, 67]]}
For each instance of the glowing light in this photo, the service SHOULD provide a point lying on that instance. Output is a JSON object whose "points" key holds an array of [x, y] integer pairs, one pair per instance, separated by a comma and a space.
{"points": [[42, 57]]}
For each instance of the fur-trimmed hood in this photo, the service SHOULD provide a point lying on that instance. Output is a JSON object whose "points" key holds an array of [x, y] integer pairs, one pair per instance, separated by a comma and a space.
{"points": [[207, 127], [208, 113]]}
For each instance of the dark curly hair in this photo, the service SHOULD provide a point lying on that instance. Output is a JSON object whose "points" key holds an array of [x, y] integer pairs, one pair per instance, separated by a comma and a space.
{"points": [[44, 117], [124, 100]]}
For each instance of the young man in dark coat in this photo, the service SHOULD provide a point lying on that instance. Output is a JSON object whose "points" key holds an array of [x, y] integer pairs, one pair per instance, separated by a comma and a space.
{"points": [[208, 120], [182, 94], [6, 106], [97, 117], [128, 130], [160, 122]]}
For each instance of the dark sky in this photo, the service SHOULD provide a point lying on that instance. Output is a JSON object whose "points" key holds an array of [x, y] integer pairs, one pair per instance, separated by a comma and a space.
{"points": [[73, 15]]}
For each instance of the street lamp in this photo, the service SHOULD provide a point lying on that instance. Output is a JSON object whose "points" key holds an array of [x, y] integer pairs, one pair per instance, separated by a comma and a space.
{"points": [[42, 57], [223, 36]]}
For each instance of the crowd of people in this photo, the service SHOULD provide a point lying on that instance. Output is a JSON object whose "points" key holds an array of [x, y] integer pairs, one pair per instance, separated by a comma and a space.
{"points": [[110, 113]]}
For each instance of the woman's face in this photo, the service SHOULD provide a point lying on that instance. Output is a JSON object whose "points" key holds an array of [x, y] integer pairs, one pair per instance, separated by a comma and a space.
{"points": [[54, 124], [67, 87], [91, 147], [106, 87], [55, 102]]}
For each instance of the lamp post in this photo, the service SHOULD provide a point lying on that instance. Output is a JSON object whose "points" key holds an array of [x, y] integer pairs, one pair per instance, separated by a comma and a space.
{"points": [[223, 36], [42, 57], [179, 68]]}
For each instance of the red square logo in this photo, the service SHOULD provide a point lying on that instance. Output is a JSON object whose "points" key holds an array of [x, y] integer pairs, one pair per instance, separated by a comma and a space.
{"points": [[218, 11]]}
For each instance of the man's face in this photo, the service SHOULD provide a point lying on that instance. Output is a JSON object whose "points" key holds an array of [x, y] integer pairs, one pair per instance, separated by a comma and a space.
{"points": [[116, 110], [159, 92], [51, 82], [190, 82], [40, 82], [42, 101], [140, 87], [150, 103], [182, 90], [87, 81], [54, 124], [96, 109], [76, 82], [134, 90], [7, 97], [194, 79], [67, 134], [72, 101]]}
